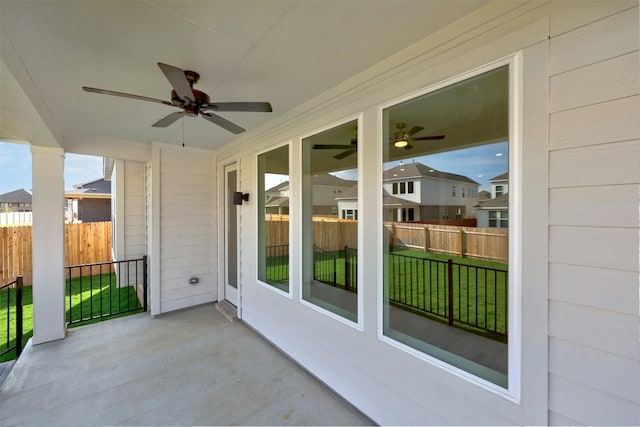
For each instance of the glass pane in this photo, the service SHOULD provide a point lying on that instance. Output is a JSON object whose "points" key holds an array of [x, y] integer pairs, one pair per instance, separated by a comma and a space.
{"points": [[330, 219], [232, 231], [445, 272], [273, 218]]}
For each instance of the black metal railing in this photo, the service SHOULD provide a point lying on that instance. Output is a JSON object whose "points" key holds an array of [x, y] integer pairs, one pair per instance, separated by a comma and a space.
{"points": [[336, 268], [106, 289], [277, 263], [13, 337], [460, 294]]}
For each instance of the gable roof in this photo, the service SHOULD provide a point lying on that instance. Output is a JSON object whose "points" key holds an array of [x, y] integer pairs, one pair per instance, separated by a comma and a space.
{"points": [[501, 177], [323, 179], [501, 201], [419, 170], [17, 196]]}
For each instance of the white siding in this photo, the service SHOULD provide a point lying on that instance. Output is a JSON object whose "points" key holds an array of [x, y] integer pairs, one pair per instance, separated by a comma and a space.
{"points": [[580, 355], [186, 230], [594, 353], [134, 210]]}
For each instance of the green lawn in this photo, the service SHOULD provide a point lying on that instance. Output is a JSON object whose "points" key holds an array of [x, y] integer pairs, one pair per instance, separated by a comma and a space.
{"points": [[418, 281], [91, 300]]}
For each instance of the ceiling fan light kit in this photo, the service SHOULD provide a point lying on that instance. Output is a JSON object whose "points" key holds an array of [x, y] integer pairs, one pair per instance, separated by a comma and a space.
{"points": [[192, 101]]}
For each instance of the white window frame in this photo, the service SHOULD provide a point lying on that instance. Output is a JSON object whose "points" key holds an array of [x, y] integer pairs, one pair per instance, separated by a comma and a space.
{"points": [[359, 325], [272, 288], [513, 391]]}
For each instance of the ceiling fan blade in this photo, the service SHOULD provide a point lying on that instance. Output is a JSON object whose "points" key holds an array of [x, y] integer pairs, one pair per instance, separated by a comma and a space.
{"points": [[408, 147], [220, 121], [125, 95], [332, 147], [261, 107], [344, 154], [178, 81], [428, 138], [168, 120], [414, 130]]}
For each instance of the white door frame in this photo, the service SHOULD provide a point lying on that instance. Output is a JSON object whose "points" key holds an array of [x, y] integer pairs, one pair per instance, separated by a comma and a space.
{"points": [[226, 292]]}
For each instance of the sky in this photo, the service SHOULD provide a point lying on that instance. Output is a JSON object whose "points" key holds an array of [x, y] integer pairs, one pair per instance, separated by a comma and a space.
{"points": [[15, 168]]}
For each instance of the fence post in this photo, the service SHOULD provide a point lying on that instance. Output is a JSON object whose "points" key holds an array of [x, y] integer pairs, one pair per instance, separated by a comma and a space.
{"points": [[145, 285], [392, 232], [450, 286], [462, 243], [427, 243], [18, 316]]}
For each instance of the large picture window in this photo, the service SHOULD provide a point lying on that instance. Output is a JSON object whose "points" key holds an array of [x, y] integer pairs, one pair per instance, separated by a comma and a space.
{"points": [[445, 275], [330, 220], [273, 218]]}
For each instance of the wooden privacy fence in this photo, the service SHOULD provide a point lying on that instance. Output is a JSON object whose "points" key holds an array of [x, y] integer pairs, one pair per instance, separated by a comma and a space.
{"points": [[489, 244], [85, 243], [332, 234]]}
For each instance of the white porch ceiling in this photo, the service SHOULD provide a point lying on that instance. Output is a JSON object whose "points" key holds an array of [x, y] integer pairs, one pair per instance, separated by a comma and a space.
{"points": [[285, 52]]}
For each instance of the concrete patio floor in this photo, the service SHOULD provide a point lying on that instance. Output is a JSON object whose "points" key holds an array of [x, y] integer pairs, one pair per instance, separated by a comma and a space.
{"points": [[191, 367]]}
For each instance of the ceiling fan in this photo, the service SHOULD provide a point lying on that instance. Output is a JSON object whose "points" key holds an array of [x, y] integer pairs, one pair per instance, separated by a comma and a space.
{"points": [[193, 102], [349, 149], [402, 138]]}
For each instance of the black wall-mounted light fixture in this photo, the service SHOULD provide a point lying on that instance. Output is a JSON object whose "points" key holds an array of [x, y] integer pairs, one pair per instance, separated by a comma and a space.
{"points": [[239, 196]]}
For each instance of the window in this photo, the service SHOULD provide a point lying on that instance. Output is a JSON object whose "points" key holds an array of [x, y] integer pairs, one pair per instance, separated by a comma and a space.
{"points": [[403, 188], [442, 303], [499, 190], [329, 247], [410, 187], [394, 186], [499, 219], [273, 218]]}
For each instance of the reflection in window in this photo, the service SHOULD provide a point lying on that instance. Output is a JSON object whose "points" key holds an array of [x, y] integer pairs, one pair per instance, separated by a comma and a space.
{"points": [[445, 274], [273, 218], [330, 219]]}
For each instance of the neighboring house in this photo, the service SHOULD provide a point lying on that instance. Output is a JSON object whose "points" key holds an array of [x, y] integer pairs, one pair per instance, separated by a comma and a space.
{"points": [[89, 202], [15, 201], [570, 117], [438, 195], [494, 212], [326, 189]]}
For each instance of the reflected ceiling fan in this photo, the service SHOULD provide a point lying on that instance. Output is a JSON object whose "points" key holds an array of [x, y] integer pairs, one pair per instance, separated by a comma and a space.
{"points": [[402, 138], [349, 149], [192, 101]]}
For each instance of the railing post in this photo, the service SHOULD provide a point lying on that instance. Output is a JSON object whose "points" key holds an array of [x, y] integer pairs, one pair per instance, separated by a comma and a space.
{"points": [[347, 269], [450, 286], [145, 285], [19, 326]]}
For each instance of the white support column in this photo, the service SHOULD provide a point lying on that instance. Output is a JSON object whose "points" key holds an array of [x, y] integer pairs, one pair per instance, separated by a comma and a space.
{"points": [[48, 244]]}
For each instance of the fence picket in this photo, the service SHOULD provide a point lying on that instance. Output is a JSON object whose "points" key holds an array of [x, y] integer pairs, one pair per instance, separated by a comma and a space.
{"points": [[85, 243]]}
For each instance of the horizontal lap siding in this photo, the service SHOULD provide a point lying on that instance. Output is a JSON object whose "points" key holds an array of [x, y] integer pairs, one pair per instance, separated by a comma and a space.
{"points": [[594, 127], [134, 210], [186, 228]]}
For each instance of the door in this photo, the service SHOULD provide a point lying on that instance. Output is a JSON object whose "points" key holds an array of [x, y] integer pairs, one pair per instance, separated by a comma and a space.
{"points": [[230, 236]]}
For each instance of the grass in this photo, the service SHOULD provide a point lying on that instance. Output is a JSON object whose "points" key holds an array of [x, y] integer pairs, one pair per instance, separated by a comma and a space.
{"points": [[92, 299], [417, 281]]}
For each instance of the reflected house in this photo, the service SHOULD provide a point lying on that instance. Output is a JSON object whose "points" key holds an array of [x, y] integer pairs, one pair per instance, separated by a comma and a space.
{"points": [[494, 212], [422, 193], [326, 189]]}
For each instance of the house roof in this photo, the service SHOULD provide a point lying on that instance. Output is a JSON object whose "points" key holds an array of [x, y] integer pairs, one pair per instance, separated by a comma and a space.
{"points": [[323, 179], [499, 202], [282, 186], [501, 177], [99, 188], [277, 201], [387, 199], [419, 170], [17, 196]]}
